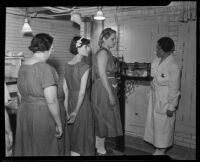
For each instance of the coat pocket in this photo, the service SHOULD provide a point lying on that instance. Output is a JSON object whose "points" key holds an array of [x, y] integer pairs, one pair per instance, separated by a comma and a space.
{"points": [[161, 108]]}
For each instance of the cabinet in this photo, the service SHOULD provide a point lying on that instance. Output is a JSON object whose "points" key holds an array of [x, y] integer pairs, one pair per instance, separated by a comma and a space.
{"points": [[12, 65]]}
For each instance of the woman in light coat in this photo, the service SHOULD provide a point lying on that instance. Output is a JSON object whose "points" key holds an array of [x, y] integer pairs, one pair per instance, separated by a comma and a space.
{"points": [[164, 93]]}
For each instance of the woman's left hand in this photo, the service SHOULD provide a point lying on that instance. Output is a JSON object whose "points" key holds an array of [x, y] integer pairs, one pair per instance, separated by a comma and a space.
{"points": [[9, 139], [170, 113], [72, 118]]}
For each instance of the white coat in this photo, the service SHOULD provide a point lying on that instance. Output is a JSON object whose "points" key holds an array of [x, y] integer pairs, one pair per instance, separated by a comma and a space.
{"points": [[6, 94], [164, 93]]}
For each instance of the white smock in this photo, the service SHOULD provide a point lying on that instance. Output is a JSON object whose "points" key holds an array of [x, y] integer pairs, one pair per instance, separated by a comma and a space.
{"points": [[164, 94]]}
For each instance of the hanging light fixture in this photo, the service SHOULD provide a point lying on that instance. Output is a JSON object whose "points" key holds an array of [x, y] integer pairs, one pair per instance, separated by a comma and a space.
{"points": [[76, 17], [99, 15], [26, 29]]}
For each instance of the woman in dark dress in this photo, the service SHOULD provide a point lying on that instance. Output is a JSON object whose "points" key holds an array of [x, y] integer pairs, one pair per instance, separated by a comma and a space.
{"points": [[8, 130], [77, 104], [104, 94], [39, 124]]}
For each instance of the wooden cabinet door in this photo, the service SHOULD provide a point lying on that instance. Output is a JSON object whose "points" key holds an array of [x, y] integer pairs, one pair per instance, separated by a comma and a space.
{"points": [[140, 36]]}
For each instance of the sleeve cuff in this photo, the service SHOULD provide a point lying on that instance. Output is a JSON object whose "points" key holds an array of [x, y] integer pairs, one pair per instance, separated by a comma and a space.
{"points": [[172, 109]]}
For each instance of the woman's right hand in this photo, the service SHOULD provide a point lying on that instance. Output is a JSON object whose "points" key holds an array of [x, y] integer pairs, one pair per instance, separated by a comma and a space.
{"points": [[67, 116], [112, 99], [59, 131], [72, 117]]}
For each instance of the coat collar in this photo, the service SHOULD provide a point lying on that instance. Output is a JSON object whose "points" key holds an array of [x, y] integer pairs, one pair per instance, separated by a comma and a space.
{"points": [[168, 59]]}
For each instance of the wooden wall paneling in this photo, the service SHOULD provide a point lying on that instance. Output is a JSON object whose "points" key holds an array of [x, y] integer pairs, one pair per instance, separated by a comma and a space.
{"points": [[62, 31], [187, 83], [192, 73], [186, 114], [184, 85], [141, 105], [14, 40], [137, 35], [181, 38]]}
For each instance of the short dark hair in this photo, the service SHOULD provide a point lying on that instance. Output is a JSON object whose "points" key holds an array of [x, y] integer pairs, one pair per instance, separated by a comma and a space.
{"points": [[166, 44], [106, 33], [41, 42], [73, 48]]}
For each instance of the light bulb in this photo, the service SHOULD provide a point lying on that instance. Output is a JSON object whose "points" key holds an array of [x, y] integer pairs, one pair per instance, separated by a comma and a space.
{"points": [[99, 16]]}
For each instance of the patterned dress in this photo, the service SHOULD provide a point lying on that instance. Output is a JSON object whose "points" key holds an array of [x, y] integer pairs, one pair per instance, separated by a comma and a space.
{"points": [[35, 132], [107, 117], [81, 132]]}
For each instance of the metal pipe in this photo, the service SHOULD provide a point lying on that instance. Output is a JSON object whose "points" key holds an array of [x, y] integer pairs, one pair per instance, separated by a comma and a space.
{"points": [[56, 10]]}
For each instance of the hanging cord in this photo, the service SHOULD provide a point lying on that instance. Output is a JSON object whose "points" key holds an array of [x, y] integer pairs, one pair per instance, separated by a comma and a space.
{"points": [[26, 13]]}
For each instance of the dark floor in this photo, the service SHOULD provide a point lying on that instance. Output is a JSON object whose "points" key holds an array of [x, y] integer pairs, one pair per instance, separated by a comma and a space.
{"points": [[110, 146], [139, 149], [133, 154]]}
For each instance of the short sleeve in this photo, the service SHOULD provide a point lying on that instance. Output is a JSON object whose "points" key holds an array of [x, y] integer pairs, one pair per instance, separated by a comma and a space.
{"points": [[6, 94], [83, 69], [48, 76]]}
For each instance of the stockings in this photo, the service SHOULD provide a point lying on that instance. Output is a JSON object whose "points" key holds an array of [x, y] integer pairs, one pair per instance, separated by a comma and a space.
{"points": [[100, 145]]}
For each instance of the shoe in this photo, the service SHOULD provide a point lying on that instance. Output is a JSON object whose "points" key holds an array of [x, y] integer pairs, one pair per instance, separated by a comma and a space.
{"points": [[100, 154]]}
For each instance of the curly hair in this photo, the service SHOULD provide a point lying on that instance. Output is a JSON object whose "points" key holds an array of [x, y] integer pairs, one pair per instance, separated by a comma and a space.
{"points": [[73, 45], [41, 42], [166, 44], [106, 33]]}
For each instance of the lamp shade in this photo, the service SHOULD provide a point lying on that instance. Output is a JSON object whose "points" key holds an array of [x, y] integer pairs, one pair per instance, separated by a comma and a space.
{"points": [[26, 27], [75, 17], [99, 16]]}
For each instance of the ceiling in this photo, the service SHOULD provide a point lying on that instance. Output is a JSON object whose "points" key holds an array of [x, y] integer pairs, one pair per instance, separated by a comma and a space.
{"points": [[58, 12]]}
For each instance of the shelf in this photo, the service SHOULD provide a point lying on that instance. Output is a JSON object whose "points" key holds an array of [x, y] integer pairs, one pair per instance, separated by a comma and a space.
{"points": [[10, 80], [11, 57], [149, 78]]}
